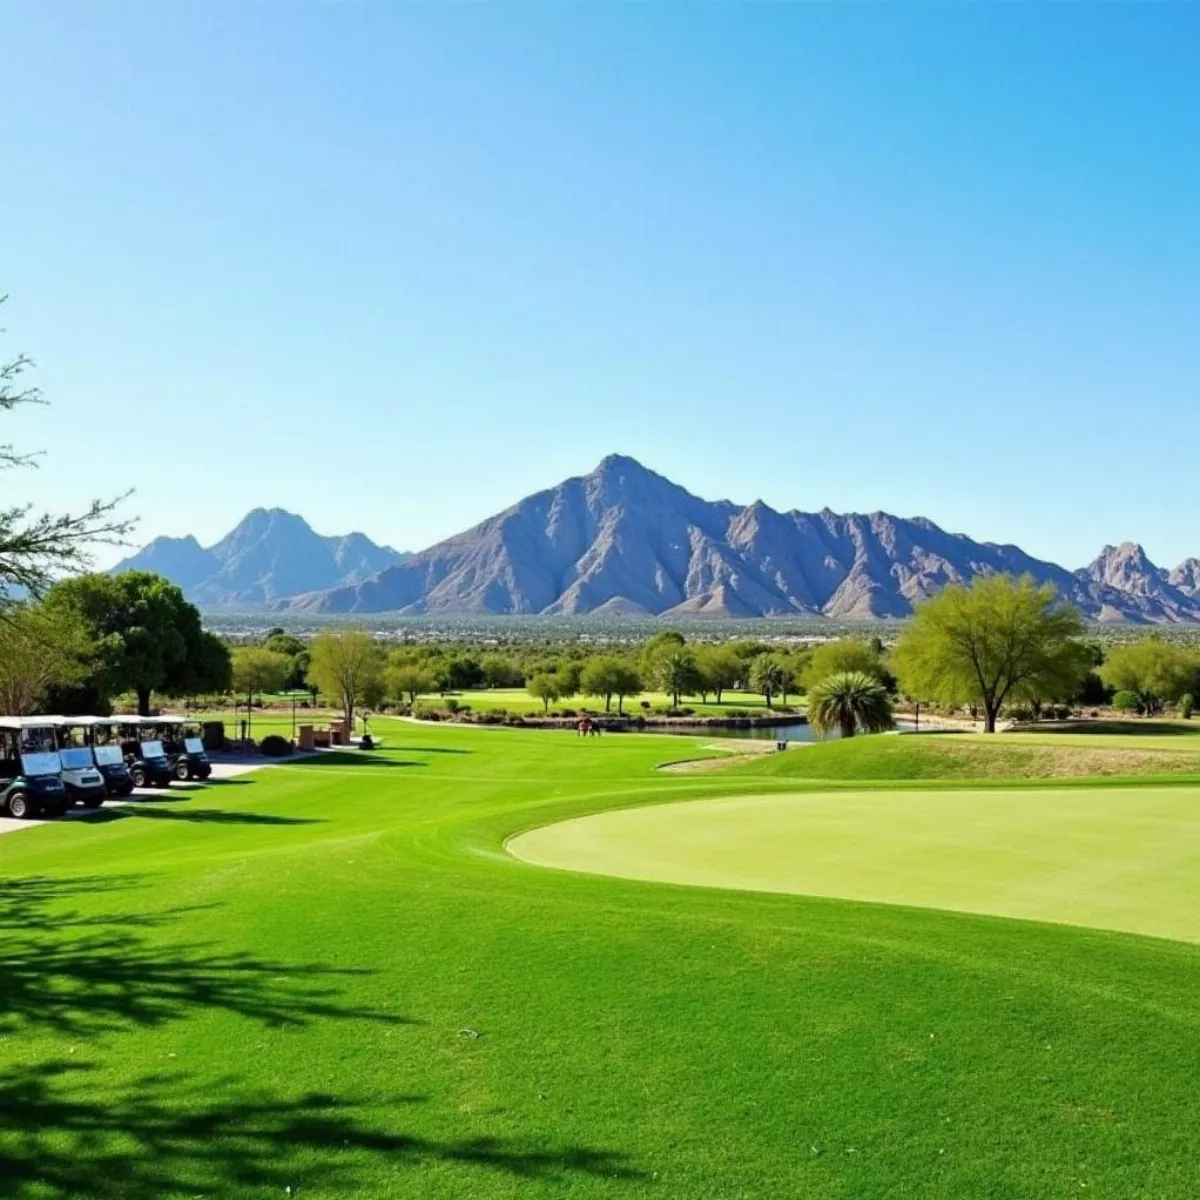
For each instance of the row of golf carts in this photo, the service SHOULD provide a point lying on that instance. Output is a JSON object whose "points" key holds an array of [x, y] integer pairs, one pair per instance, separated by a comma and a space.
{"points": [[48, 764]]}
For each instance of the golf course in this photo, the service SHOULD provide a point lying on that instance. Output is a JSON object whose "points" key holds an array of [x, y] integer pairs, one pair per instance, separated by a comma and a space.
{"points": [[496, 963]]}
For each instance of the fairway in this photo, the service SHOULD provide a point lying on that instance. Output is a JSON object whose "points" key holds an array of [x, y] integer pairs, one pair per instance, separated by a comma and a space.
{"points": [[329, 977], [1115, 858]]}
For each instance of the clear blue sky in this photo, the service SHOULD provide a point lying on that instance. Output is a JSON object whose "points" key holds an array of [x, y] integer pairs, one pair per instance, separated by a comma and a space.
{"points": [[395, 266]]}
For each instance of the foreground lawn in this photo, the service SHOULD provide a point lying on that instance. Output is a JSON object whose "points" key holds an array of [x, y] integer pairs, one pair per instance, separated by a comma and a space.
{"points": [[330, 977]]}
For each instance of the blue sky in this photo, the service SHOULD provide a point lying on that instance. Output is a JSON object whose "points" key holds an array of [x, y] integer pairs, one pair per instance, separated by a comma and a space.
{"points": [[395, 266]]}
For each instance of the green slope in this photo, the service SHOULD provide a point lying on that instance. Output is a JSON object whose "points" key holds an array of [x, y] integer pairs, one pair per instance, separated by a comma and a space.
{"points": [[332, 978]]}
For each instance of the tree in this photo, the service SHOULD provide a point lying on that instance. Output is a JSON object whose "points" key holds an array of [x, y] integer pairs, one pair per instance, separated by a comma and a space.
{"points": [[766, 676], [40, 649], [1127, 702], [345, 663], [722, 668], [626, 682], [600, 676], [147, 638], [1154, 670], [997, 638], [498, 671], [284, 643], [674, 671], [35, 547], [842, 656], [849, 701], [255, 669], [409, 679], [545, 687]]}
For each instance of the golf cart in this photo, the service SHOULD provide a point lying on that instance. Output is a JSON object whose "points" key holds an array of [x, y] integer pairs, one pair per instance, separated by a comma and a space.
{"points": [[145, 756], [103, 736], [30, 771], [182, 742], [80, 775]]}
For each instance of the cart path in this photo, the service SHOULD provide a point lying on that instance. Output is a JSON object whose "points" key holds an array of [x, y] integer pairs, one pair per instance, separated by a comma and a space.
{"points": [[227, 769]]}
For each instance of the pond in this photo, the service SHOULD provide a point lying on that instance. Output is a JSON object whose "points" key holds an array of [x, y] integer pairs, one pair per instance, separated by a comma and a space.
{"points": [[795, 731]]}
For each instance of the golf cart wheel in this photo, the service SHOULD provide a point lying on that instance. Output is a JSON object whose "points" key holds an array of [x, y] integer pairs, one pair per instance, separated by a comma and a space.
{"points": [[181, 770], [19, 807], [93, 802], [138, 776]]}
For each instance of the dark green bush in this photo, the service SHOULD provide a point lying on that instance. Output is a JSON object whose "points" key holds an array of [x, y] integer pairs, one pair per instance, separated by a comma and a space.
{"points": [[1127, 702], [274, 746]]}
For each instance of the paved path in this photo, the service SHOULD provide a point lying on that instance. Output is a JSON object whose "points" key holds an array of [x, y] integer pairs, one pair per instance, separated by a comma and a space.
{"points": [[224, 767]]}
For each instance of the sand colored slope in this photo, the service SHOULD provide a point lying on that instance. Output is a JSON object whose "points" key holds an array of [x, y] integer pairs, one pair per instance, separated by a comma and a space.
{"points": [[1111, 858]]}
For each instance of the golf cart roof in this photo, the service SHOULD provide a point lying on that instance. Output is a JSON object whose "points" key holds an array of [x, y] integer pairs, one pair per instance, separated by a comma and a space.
{"points": [[27, 722]]}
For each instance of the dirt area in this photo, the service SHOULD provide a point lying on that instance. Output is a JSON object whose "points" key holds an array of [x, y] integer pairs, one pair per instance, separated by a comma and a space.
{"points": [[746, 751]]}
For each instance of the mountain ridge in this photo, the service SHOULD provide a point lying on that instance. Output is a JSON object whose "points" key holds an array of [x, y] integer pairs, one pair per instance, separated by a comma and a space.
{"points": [[269, 555], [623, 539]]}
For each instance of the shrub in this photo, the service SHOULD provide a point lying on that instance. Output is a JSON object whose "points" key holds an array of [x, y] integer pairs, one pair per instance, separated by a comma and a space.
{"points": [[1021, 714], [1187, 705], [274, 746], [1127, 702], [491, 717], [452, 705], [514, 719], [425, 712]]}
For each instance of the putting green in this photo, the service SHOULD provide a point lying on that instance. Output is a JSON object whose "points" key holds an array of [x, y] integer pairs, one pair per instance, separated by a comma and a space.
{"points": [[1111, 858]]}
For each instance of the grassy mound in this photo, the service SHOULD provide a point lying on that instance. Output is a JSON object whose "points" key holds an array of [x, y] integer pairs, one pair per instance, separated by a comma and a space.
{"points": [[332, 979], [966, 757]]}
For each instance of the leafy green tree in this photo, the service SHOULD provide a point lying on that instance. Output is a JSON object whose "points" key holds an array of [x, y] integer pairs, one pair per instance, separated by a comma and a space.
{"points": [[721, 668], [841, 656], [1127, 702], [600, 677], [997, 638], [674, 672], [409, 679], [1157, 672], [35, 547], [626, 682], [255, 670], [1187, 705], [147, 638], [298, 670], [497, 671], [849, 701], [766, 676], [40, 649], [346, 664], [545, 687], [285, 643]]}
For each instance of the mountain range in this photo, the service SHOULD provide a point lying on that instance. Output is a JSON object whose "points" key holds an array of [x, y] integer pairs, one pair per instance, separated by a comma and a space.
{"points": [[270, 555], [624, 540]]}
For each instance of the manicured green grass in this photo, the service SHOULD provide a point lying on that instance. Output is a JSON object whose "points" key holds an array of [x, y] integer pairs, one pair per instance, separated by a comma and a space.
{"points": [[1013, 756], [1126, 859], [330, 977]]}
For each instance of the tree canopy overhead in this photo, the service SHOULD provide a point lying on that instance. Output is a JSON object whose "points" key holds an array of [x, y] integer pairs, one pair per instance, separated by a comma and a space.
{"points": [[997, 639], [35, 547]]}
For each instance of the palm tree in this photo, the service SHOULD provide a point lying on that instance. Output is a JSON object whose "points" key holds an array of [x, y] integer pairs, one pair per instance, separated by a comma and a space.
{"points": [[849, 701]]}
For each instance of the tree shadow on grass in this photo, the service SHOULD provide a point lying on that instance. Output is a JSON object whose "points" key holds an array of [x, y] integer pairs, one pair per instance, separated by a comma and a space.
{"points": [[1121, 728], [358, 758], [86, 974], [66, 1135], [198, 816]]}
